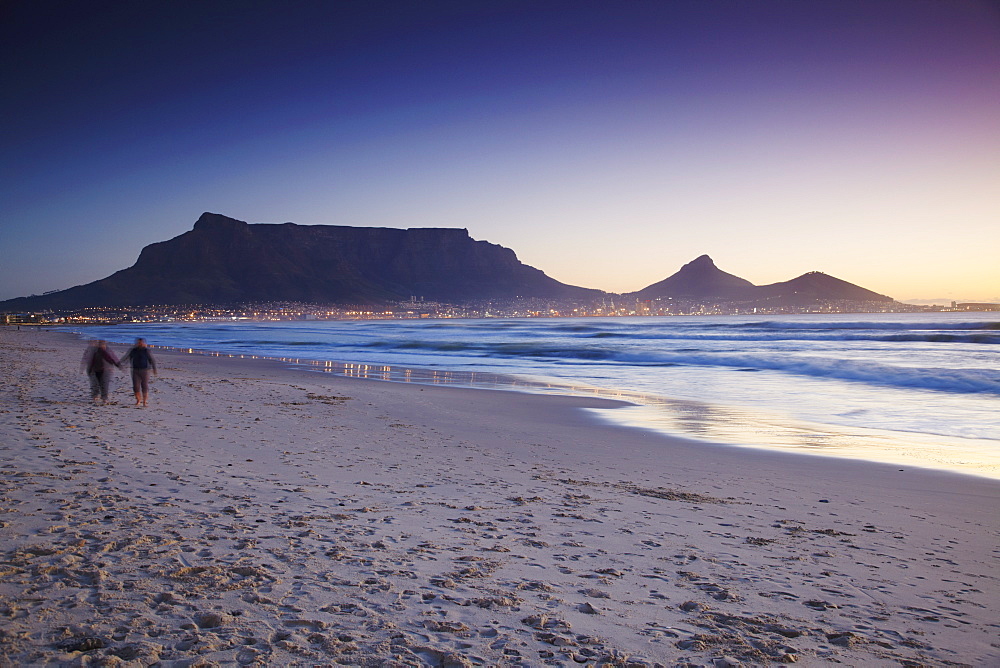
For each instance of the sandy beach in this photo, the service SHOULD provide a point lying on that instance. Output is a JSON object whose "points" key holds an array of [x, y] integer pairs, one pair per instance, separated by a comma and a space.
{"points": [[259, 515]]}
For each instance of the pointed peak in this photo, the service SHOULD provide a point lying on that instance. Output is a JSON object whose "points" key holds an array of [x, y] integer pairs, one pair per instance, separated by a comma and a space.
{"points": [[700, 263], [702, 260], [699, 279]]}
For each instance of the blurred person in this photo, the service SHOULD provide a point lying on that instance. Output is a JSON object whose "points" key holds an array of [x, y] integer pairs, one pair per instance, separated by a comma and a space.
{"points": [[141, 361], [96, 361]]}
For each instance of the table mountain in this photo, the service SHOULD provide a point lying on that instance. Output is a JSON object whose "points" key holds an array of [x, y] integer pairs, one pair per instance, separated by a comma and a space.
{"points": [[226, 261]]}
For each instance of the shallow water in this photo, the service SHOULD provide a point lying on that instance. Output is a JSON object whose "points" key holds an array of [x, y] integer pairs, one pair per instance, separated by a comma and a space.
{"points": [[915, 389]]}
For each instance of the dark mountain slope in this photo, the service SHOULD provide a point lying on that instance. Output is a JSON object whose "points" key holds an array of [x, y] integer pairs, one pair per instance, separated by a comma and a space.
{"points": [[223, 260], [698, 279], [701, 280], [817, 286]]}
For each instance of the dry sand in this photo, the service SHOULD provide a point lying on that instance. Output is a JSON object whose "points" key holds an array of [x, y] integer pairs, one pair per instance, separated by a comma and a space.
{"points": [[257, 515]]}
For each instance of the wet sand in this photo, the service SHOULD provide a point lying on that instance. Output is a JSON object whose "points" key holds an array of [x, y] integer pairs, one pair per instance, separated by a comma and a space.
{"points": [[260, 515]]}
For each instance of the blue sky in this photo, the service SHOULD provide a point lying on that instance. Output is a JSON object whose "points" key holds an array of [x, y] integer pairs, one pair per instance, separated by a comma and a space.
{"points": [[606, 143]]}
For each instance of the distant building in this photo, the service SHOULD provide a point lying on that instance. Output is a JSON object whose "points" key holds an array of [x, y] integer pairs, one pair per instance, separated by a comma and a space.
{"points": [[21, 318]]}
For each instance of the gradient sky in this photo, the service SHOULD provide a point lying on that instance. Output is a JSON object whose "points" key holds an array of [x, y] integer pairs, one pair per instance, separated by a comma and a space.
{"points": [[607, 143]]}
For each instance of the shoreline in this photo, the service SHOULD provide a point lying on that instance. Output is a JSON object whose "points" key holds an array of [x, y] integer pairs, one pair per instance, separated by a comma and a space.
{"points": [[726, 425], [333, 519]]}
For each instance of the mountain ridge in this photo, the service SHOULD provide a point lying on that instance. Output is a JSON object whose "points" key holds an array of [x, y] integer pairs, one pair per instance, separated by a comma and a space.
{"points": [[222, 260], [701, 280]]}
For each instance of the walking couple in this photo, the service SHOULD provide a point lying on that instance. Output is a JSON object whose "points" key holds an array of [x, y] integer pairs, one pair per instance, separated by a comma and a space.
{"points": [[98, 360]]}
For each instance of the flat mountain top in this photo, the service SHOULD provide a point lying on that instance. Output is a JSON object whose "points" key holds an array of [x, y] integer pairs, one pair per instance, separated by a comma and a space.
{"points": [[223, 260]]}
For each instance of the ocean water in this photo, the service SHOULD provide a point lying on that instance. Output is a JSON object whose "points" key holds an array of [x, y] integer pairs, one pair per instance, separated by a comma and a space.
{"points": [[911, 389]]}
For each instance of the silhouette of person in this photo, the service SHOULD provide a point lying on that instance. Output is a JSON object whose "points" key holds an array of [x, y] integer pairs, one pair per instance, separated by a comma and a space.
{"points": [[96, 361], [142, 362]]}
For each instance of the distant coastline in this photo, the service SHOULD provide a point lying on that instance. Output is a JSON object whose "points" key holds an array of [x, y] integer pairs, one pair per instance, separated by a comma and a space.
{"points": [[434, 272], [286, 311]]}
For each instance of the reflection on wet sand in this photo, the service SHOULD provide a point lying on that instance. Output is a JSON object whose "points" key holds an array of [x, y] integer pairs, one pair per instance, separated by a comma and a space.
{"points": [[733, 426]]}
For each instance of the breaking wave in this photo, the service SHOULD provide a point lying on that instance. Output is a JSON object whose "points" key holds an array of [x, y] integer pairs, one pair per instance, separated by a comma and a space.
{"points": [[938, 379]]}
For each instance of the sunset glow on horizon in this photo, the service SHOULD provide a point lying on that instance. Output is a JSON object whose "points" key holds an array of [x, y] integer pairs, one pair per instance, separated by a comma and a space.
{"points": [[607, 144]]}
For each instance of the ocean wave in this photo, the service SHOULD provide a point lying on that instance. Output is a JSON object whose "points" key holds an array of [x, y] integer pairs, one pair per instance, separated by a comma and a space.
{"points": [[991, 339], [507, 349], [267, 343], [431, 346], [806, 336], [938, 379], [861, 325], [575, 328], [965, 332], [962, 381]]}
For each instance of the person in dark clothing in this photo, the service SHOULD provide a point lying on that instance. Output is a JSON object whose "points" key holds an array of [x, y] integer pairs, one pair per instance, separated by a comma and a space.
{"points": [[142, 363], [97, 362]]}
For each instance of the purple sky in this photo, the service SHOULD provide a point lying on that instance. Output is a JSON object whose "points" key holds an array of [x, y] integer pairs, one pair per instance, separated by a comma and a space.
{"points": [[607, 143]]}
